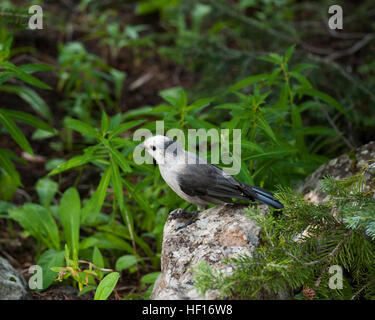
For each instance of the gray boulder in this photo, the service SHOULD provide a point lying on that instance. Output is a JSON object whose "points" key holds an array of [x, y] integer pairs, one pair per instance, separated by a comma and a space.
{"points": [[341, 167], [12, 284], [221, 232]]}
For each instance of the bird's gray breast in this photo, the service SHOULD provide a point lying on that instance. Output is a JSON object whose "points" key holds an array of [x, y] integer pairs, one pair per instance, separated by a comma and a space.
{"points": [[171, 175]]}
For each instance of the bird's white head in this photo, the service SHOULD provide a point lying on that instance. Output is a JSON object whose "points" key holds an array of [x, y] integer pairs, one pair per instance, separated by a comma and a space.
{"points": [[161, 148]]}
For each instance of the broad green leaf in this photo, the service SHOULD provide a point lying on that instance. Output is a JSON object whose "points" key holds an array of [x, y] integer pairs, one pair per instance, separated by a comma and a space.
{"points": [[70, 207], [15, 132], [50, 259], [81, 127], [39, 222], [150, 277], [106, 286], [28, 119], [86, 289], [46, 189], [125, 262], [98, 261], [97, 258]]}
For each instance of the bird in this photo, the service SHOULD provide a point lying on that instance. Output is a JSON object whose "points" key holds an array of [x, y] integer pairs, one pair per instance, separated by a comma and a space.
{"points": [[197, 181]]}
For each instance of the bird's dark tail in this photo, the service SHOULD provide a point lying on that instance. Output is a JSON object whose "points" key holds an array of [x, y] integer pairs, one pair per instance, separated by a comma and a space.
{"points": [[263, 196]]}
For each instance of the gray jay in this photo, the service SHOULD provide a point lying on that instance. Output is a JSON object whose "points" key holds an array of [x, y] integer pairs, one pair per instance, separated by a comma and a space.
{"points": [[197, 181]]}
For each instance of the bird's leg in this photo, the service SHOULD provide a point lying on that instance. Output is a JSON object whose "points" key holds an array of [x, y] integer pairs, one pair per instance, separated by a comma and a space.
{"points": [[191, 220], [180, 213]]}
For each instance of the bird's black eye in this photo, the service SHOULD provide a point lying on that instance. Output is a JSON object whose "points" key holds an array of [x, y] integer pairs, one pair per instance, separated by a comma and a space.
{"points": [[153, 148]]}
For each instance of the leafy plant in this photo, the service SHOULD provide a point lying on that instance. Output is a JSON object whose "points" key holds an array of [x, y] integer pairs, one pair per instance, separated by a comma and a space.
{"points": [[9, 177], [106, 155], [106, 286], [87, 82], [299, 246]]}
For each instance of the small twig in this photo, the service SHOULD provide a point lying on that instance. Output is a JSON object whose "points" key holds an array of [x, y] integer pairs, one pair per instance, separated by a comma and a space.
{"points": [[94, 266], [349, 51], [332, 123]]}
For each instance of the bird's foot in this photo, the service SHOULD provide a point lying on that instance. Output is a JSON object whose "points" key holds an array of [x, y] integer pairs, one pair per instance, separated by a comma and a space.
{"points": [[180, 213], [191, 221]]}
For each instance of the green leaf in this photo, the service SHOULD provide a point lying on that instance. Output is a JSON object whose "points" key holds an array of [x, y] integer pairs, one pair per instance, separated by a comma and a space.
{"points": [[198, 105], [125, 126], [301, 78], [274, 153], [28, 119], [15, 132], [32, 98], [46, 189], [175, 96], [104, 123], [39, 222], [97, 258], [249, 81], [74, 162], [50, 259], [7, 165], [263, 124], [96, 202], [117, 185], [289, 53], [70, 207], [25, 76], [81, 127], [106, 286], [119, 159], [125, 262], [98, 261], [321, 96], [35, 67], [106, 240], [150, 277]]}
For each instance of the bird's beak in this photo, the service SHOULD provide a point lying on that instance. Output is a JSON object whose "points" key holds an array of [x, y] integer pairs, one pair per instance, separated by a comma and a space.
{"points": [[141, 145]]}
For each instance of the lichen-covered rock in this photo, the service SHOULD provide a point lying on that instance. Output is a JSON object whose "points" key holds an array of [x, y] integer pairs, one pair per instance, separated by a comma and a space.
{"points": [[221, 232], [12, 284], [339, 168]]}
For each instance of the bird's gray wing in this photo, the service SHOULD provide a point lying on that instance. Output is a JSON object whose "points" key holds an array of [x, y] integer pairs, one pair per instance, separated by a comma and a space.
{"points": [[208, 182]]}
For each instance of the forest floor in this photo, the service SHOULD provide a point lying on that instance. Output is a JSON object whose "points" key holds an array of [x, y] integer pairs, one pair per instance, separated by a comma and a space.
{"points": [[159, 73]]}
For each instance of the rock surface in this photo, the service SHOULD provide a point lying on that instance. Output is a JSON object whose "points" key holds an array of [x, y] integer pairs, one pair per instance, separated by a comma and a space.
{"points": [[221, 232], [339, 168], [224, 232], [12, 284]]}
